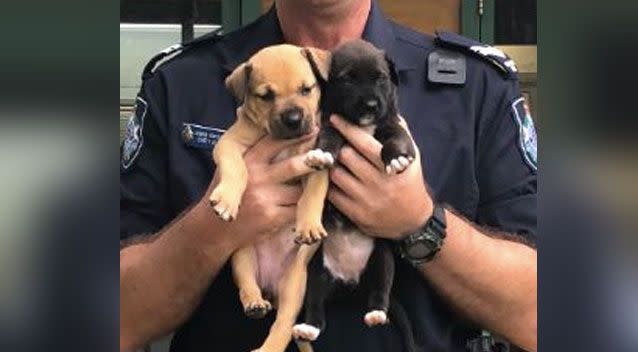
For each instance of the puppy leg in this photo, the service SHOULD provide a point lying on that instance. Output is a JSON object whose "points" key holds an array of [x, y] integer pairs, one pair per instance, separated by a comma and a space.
{"points": [[398, 150], [320, 286], [310, 208], [378, 277], [291, 290], [329, 142], [244, 265], [233, 176]]}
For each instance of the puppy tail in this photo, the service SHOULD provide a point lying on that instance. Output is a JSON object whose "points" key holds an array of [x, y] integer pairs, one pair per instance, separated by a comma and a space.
{"points": [[304, 346], [399, 317]]}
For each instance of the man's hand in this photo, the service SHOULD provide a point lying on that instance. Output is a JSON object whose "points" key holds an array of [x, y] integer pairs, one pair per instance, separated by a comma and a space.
{"points": [[383, 205], [270, 199], [492, 281], [184, 258]]}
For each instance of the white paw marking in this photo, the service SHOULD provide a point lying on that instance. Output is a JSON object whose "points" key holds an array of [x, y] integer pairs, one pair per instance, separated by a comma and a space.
{"points": [[317, 158], [225, 214], [225, 205], [375, 317], [398, 165], [305, 332]]}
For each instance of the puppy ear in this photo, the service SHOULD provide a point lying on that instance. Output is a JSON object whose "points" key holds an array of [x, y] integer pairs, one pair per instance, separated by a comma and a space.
{"points": [[394, 76], [237, 81], [319, 61]]}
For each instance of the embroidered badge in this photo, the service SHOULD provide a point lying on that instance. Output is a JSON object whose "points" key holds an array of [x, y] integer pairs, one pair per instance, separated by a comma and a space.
{"points": [[134, 138], [202, 137], [526, 132]]}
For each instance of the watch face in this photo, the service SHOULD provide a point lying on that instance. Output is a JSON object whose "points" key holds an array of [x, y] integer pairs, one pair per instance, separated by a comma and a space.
{"points": [[418, 250]]}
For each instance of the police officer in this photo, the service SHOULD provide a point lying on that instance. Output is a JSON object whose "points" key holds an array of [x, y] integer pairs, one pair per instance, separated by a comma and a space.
{"points": [[465, 242]]}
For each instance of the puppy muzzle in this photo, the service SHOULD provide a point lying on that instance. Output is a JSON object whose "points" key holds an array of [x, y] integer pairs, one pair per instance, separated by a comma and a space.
{"points": [[368, 111], [291, 123]]}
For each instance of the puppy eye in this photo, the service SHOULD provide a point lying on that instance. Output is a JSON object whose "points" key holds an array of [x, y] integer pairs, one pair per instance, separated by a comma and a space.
{"points": [[306, 90], [269, 96]]}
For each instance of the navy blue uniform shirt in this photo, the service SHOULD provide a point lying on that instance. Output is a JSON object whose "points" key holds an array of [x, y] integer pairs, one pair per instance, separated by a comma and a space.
{"points": [[477, 149]]}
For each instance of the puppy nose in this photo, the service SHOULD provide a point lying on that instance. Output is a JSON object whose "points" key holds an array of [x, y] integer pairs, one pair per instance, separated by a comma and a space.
{"points": [[372, 105], [292, 118]]}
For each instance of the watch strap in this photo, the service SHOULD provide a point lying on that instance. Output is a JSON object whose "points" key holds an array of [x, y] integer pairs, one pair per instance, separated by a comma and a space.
{"points": [[431, 234], [437, 221]]}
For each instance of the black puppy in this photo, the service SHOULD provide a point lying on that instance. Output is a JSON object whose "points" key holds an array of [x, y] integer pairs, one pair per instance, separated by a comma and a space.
{"points": [[361, 87]]}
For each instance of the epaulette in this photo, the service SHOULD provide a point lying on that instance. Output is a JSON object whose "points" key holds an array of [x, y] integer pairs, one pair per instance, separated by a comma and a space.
{"points": [[177, 49], [494, 56]]}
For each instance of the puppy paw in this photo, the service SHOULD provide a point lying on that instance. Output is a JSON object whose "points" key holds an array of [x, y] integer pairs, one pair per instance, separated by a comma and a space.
{"points": [[305, 332], [225, 203], [398, 165], [310, 232], [375, 317], [319, 159], [257, 309]]}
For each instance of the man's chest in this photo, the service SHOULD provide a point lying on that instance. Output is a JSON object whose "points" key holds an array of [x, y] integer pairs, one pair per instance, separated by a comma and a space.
{"points": [[441, 124]]}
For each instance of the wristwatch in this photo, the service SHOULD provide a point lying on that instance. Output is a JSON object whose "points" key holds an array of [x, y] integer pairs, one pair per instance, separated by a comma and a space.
{"points": [[422, 246]]}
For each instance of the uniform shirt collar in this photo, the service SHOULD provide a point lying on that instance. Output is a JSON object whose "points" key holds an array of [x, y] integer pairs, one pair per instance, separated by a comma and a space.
{"points": [[380, 32], [265, 31]]}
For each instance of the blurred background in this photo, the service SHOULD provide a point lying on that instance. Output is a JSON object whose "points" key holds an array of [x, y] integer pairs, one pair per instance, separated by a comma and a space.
{"points": [[60, 93]]}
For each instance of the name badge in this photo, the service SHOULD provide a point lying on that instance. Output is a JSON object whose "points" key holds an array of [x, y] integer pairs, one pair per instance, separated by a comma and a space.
{"points": [[201, 137]]}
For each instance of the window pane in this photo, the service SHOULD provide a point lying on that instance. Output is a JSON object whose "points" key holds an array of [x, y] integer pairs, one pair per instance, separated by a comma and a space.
{"points": [[515, 22]]}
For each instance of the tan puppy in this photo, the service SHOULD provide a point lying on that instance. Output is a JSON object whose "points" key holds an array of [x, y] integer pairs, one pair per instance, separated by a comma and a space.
{"points": [[279, 95]]}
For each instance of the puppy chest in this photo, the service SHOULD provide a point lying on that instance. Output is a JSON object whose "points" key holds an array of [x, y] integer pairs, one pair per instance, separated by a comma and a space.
{"points": [[274, 257], [346, 254]]}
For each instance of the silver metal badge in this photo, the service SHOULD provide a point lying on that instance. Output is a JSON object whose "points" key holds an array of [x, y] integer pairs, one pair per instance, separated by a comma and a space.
{"points": [[527, 132], [134, 138], [187, 133], [497, 56]]}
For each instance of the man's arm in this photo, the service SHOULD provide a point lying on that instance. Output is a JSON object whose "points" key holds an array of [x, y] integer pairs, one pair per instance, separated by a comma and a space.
{"points": [[490, 279], [163, 280], [164, 276]]}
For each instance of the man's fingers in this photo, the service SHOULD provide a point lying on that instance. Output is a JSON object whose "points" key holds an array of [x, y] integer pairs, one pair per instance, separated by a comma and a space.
{"points": [[360, 167], [287, 195], [289, 169], [268, 148], [344, 203], [361, 140], [346, 182]]}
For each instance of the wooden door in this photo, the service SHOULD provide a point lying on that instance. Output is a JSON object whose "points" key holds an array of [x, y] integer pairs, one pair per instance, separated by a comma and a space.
{"points": [[425, 15]]}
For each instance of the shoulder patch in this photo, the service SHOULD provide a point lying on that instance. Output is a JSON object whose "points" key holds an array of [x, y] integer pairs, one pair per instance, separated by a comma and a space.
{"points": [[493, 55], [174, 50], [133, 137], [526, 132]]}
